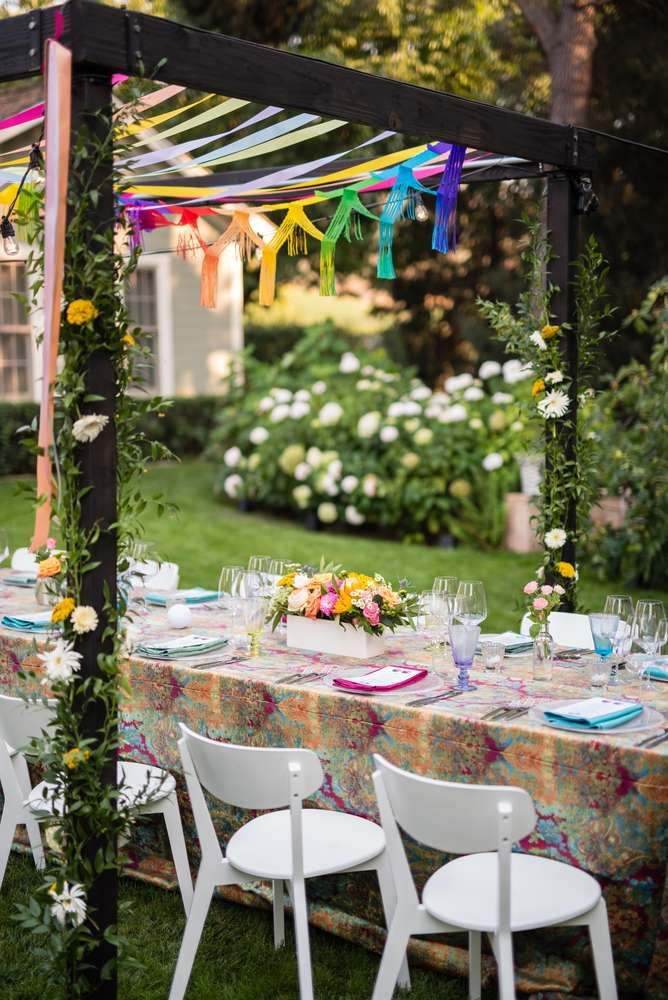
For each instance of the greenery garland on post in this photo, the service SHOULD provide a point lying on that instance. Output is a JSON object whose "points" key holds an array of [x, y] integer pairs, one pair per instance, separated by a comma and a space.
{"points": [[528, 334], [94, 319]]}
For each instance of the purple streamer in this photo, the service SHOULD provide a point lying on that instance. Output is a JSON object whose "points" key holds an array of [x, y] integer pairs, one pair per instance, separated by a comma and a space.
{"points": [[444, 237]]}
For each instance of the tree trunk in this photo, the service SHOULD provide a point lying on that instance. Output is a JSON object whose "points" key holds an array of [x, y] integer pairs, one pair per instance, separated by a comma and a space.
{"points": [[568, 38]]}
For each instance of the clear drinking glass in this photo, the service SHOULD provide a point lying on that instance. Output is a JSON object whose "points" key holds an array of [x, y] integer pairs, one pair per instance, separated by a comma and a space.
{"points": [[622, 606], [249, 583], [227, 582], [646, 632], [447, 587], [4, 545], [463, 642], [492, 655], [603, 629], [470, 602]]}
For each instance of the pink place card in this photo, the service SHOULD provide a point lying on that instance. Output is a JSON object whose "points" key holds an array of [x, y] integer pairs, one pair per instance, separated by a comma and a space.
{"points": [[382, 679]]}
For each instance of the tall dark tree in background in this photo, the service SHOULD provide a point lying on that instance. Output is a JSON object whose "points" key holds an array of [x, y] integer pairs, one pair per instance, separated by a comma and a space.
{"points": [[590, 62]]}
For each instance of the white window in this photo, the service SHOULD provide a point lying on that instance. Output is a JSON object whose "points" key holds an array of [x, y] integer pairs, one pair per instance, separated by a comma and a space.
{"points": [[141, 298], [15, 341]]}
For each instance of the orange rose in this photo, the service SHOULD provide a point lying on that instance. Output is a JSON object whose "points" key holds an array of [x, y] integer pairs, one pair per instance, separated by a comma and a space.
{"points": [[49, 567], [313, 603]]}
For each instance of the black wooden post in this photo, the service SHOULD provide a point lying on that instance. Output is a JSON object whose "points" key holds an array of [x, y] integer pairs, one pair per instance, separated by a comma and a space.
{"points": [[91, 109], [563, 226]]}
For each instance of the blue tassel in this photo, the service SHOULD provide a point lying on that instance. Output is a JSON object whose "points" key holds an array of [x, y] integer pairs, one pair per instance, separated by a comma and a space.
{"points": [[400, 204]]}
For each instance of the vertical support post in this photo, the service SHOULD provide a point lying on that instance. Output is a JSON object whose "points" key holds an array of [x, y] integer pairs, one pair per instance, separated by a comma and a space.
{"points": [[563, 226], [91, 109]]}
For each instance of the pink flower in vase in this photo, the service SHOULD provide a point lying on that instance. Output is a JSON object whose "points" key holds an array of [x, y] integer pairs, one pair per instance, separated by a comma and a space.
{"points": [[531, 587], [372, 613], [327, 602], [546, 589], [558, 589], [50, 543], [539, 603]]}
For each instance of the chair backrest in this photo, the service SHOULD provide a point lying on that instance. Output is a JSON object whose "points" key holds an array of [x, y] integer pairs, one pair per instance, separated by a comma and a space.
{"points": [[24, 560], [21, 722], [453, 817], [567, 629], [251, 777]]}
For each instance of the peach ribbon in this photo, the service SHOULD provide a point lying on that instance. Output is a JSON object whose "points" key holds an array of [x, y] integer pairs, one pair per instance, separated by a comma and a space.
{"points": [[58, 77]]}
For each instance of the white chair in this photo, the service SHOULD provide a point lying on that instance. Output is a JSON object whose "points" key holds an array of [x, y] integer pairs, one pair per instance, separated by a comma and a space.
{"points": [[24, 560], [489, 889], [567, 629], [147, 790], [286, 846]]}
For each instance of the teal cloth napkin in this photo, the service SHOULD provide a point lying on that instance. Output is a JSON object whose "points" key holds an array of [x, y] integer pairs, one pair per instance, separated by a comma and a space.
{"points": [[174, 649], [658, 673], [513, 642], [594, 713], [20, 580], [196, 595], [38, 622]]}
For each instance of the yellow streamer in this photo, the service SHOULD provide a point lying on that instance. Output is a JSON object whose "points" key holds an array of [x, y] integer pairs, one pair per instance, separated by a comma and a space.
{"points": [[292, 230]]}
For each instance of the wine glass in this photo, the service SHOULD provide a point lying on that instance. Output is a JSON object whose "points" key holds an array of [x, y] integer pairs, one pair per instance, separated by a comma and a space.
{"points": [[248, 583], [470, 602], [463, 643], [622, 606], [603, 630], [253, 614], [262, 566], [4, 546], [645, 631], [434, 614], [447, 586], [226, 584]]}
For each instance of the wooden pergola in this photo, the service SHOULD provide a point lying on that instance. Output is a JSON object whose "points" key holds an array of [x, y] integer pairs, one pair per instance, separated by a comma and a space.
{"points": [[106, 40]]}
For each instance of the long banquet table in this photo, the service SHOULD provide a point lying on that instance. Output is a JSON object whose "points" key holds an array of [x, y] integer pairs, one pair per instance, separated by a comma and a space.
{"points": [[601, 800]]}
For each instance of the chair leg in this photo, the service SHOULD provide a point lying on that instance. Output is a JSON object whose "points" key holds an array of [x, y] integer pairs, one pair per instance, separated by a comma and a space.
{"points": [[394, 954], [177, 846], [279, 913], [389, 898], [7, 831], [32, 826], [302, 938], [474, 965], [599, 934], [506, 966], [192, 934]]}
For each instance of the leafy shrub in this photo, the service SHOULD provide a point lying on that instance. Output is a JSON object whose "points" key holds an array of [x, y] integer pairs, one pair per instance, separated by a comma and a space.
{"points": [[14, 458], [345, 436], [633, 437]]}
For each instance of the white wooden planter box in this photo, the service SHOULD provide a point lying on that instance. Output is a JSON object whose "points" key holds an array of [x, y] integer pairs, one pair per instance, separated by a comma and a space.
{"points": [[322, 636]]}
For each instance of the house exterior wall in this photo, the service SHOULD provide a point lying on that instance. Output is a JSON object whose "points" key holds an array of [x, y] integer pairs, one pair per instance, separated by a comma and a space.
{"points": [[193, 345]]}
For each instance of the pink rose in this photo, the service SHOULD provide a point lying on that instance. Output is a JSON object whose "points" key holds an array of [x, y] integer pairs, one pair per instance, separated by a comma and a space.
{"points": [[50, 543], [546, 589], [372, 613], [327, 602], [531, 587], [558, 589], [539, 603]]}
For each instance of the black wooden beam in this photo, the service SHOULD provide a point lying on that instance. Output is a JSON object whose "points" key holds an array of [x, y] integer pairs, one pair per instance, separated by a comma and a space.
{"points": [[138, 44], [91, 109], [563, 224]]}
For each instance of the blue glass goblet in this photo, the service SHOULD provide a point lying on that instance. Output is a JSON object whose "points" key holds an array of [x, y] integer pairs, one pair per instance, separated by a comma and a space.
{"points": [[463, 643], [603, 631]]}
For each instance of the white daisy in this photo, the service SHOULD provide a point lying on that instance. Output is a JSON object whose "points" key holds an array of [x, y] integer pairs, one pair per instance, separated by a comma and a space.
{"points": [[555, 538], [554, 404], [60, 662], [69, 903], [536, 339], [87, 428]]}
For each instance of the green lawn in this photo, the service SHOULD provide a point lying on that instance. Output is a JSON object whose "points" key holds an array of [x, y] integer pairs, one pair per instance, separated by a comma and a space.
{"points": [[207, 534], [235, 961]]}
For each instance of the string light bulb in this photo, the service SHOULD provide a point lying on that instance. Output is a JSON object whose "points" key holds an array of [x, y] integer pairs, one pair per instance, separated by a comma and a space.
{"points": [[9, 242], [421, 210]]}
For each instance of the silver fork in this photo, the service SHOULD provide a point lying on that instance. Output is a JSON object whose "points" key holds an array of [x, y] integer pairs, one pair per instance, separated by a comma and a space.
{"points": [[445, 696], [653, 741], [291, 678]]}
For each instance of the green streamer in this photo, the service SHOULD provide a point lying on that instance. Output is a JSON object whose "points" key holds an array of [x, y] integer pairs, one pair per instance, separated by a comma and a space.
{"points": [[346, 222]]}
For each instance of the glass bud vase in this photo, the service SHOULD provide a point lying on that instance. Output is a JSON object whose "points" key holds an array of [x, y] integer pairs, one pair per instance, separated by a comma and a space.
{"points": [[542, 655]]}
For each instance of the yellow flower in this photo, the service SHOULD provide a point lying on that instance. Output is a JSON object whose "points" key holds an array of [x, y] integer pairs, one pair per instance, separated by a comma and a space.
{"points": [[343, 603], [62, 610], [566, 570], [49, 567], [128, 339], [81, 311], [538, 387], [287, 580], [72, 758], [548, 332]]}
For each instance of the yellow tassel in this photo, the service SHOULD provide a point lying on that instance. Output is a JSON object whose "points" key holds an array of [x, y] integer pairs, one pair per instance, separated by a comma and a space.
{"points": [[267, 290]]}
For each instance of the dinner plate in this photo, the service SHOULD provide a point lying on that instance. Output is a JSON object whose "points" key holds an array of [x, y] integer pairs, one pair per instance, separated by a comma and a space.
{"points": [[423, 686], [649, 718]]}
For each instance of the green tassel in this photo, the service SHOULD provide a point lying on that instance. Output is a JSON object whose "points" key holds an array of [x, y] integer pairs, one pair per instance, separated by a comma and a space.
{"points": [[346, 222]]}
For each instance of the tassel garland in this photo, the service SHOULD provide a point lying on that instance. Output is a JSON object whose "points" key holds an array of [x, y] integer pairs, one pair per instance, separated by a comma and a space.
{"points": [[444, 236], [243, 238], [400, 204], [346, 222], [293, 230]]}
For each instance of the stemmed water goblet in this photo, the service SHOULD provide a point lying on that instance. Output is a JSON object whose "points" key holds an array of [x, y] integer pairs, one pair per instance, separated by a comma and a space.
{"points": [[470, 602], [622, 606], [463, 643], [253, 616], [603, 629]]}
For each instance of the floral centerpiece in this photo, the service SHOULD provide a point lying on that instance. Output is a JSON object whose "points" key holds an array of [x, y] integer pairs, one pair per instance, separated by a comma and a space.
{"points": [[540, 602], [340, 611]]}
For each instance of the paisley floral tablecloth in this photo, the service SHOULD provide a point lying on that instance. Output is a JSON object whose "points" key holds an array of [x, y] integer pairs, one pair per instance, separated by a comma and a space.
{"points": [[601, 801]]}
